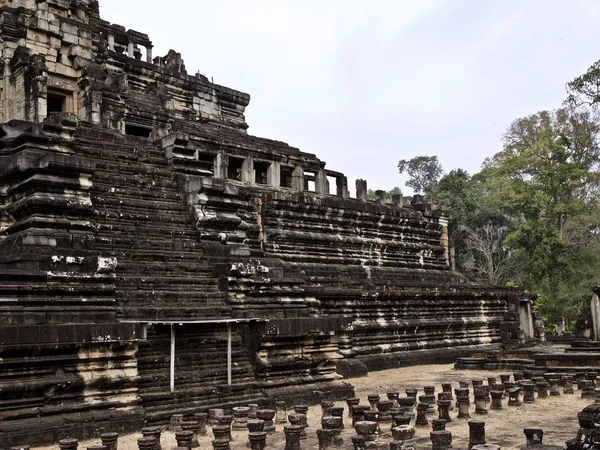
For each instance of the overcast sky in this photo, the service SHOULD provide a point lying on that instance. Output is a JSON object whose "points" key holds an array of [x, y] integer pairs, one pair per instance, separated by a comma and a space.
{"points": [[365, 84]]}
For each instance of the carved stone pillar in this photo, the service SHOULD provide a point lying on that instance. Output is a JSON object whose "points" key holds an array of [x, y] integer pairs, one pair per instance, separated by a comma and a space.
{"points": [[476, 433]]}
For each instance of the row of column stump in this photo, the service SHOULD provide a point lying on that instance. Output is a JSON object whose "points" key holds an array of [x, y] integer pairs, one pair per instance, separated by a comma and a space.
{"points": [[369, 421]]}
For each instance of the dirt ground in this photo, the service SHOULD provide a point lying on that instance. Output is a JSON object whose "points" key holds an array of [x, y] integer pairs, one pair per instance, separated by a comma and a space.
{"points": [[557, 416]]}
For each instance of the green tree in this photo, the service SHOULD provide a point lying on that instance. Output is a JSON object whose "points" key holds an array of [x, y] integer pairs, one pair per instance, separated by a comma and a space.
{"points": [[585, 89], [546, 178], [423, 171], [476, 229]]}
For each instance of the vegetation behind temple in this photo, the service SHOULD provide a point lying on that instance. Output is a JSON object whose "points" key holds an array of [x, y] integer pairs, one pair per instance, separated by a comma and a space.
{"points": [[531, 217]]}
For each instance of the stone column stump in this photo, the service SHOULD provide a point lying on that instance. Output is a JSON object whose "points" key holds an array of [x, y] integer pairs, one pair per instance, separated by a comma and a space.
{"points": [[292, 437], [496, 400], [110, 440], [476, 433], [440, 440]]}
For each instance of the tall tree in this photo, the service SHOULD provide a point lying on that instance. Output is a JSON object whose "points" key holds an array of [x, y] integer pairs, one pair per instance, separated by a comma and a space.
{"points": [[424, 172], [546, 177], [585, 89]]}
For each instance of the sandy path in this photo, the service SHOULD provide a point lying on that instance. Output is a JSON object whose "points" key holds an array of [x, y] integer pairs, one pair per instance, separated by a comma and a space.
{"points": [[557, 416]]}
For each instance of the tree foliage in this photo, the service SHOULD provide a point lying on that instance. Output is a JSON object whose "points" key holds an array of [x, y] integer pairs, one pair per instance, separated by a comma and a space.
{"points": [[423, 171], [585, 89]]}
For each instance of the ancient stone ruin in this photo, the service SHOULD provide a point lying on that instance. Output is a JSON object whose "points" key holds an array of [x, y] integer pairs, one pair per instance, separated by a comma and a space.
{"points": [[157, 259]]}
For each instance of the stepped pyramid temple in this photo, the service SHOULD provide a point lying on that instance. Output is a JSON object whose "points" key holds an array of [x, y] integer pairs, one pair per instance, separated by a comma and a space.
{"points": [[156, 258]]}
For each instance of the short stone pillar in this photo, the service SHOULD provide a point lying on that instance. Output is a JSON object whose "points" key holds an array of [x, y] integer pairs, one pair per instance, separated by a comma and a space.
{"points": [[534, 436], [155, 432], [438, 425], [240, 417], [358, 413], [372, 416], [299, 420], [513, 396], [528, 392], [335, 424], [411, 392], [554, 387], [221, 433], [149, 443], [481, 397], [440, 440], [302, 411], [110, 440], [542, 389], [175, 424], [358, 442], [569, 384], [587, 389], [254, 426], [464, 384], [352, 402], [476, 382], [267, 416], [221, 444], [226, 421], [444, 410], [257, 440], [496, 400], [422, 409], [202, 419], [338, 411], [184, 438], [68, 444], [325, 439], [213, 415], [292, 437], [406, 404], [402, 438], [253, 408], [462, 404], [373, 400], [492, 381], [518, 376], [326, 406], [447, 388], [192, 426], [476, 433], [401, 419], [428, 400], [384, 407], [281, 412], [393, 397], [505, 378], [367, 430]]}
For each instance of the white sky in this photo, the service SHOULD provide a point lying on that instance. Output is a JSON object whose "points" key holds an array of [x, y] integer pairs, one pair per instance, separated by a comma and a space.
{"points": [[365, 84]]}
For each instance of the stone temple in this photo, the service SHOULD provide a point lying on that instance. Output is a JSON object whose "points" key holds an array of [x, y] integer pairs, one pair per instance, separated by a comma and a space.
{"points": [[156, 258]]}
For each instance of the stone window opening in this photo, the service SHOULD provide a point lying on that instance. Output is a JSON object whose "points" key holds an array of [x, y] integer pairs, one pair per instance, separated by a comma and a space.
{"points": [[207, 162], [332, 185], [310, 181], [261, 171], [58, 101], [138, 131], [234, 169], [286, 176]]}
